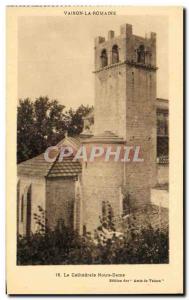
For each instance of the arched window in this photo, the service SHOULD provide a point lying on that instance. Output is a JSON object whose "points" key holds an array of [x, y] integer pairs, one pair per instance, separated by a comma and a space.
{"points": [[18, 200], [104, 58], [115, 54], [141, 54], [28, 212], [22, 209]]}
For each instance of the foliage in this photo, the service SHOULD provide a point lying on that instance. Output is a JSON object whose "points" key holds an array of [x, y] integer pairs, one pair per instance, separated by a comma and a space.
{"points": [[141, 245], [107, 218], [43, 123], [76, 119], [126, 204]]}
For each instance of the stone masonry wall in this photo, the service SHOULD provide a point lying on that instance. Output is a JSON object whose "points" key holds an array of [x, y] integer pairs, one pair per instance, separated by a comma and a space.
{"points": [[141, 131], [110, 94], [60, 195], [102, 181], [37, 199], [141, 121], [125, 104]]}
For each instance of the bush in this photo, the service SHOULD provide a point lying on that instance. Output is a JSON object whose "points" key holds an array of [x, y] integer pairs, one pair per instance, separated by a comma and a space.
{"points": [[141, 245]]}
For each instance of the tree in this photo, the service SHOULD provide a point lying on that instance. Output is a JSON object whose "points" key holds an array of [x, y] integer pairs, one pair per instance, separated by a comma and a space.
{"points": [[43, 123], [76, 119]]}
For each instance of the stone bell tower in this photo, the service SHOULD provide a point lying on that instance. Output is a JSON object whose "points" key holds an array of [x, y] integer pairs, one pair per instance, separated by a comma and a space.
{"points": [[125, 80], [125, 95]]}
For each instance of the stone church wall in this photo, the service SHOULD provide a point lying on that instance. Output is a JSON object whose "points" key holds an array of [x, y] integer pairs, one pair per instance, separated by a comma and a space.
{"points": [[141, 131], [60, 194], [102, 181], [110, 104], [125, 103], [37, 199]]}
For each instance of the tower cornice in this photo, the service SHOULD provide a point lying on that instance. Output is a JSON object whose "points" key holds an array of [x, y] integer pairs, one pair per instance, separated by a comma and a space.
{"points": [[130, 63]]}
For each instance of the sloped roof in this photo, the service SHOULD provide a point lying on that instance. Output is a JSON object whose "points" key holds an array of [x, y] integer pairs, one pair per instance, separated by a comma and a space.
{"points": [[70, 141], [105, 137], [39, 167], [66, 168], [36, 166]]}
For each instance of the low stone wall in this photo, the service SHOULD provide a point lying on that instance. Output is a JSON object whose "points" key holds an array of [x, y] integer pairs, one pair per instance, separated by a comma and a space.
{"points": [[160, 197], [157, 217]]}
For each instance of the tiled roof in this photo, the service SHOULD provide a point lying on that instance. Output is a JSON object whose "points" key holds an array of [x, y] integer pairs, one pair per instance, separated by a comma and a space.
{"points": [[73, 141], [65, 168], [39, 167], [36, 166]]}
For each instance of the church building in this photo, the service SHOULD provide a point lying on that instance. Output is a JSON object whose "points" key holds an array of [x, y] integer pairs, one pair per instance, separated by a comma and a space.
{"points": [[127, 112]]}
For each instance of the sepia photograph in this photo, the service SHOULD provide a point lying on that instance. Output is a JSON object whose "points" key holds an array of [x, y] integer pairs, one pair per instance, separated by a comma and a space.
{"points": [[92, 140]]}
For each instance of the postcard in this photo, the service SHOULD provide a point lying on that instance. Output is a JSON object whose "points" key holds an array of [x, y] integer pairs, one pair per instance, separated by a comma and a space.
{"points": [[94, 150]]}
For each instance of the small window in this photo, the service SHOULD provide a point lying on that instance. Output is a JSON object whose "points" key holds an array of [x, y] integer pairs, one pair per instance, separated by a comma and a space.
{"points": [[84, 230], [115, 54], [104, 58], [141, 54], [104, 210], [162, 124], [133, 77], [162, 146]]}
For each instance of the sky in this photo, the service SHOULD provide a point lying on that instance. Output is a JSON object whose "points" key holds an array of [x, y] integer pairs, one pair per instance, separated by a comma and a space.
{"points": [[56, 54]]}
